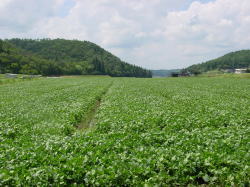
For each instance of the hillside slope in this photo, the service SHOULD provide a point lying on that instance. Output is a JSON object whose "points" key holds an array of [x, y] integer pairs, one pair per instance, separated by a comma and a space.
{"points": [[15, 60], [66, 57], [238, 59]]}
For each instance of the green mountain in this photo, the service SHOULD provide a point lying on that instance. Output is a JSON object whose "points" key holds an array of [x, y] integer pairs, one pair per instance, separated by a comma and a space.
{"points": [[63, 57], [238, 59], [164, 72]]}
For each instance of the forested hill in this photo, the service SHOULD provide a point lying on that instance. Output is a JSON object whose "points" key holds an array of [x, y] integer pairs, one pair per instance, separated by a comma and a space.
{"points": [[238, 59], [63, 57]]}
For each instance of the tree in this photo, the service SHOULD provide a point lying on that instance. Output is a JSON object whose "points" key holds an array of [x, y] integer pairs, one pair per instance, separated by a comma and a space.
{"points": [[59, 57], [1, 46]]}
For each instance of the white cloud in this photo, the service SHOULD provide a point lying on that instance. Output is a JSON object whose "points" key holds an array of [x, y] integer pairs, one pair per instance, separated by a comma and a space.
{"points": [[20, 16], [150, 33], [210, 29]]}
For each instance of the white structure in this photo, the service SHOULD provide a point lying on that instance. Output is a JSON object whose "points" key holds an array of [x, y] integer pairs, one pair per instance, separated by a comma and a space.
{"points": [[9, 75], [238, 71]]}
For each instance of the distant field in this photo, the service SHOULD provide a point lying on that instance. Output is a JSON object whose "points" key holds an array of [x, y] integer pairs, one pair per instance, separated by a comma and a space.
{"points": [[4, 80], [125, 131], [225, 75]]}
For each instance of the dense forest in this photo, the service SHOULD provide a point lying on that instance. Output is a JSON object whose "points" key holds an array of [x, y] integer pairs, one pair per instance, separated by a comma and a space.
{"points": [[62, 57], [238, 59]]}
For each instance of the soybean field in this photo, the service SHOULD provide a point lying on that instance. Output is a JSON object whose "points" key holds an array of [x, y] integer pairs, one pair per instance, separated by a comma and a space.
{"points": [[102, 131]]}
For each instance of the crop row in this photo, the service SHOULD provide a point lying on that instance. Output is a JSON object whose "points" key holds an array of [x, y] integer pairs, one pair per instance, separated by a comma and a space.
{"points": [[177, 131], [148, 131], [34, 114]]}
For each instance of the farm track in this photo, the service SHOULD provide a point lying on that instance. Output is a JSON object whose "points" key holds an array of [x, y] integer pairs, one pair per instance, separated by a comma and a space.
{"points": [[90, 119]]}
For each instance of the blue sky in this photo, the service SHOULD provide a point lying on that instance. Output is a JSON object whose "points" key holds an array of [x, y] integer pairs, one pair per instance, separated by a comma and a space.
{"points": [[156, 34], [65, 7]]}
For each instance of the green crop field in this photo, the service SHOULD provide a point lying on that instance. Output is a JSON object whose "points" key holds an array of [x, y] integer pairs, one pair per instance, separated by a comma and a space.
{"points": [[19, 78], [101, 131], [4, 80]]}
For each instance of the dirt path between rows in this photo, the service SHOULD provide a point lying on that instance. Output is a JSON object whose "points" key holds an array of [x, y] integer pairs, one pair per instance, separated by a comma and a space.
{"points": [[90, 119]]}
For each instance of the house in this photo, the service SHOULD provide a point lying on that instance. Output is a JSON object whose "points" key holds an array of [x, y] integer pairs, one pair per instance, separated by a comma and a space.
{"points": [[180, 74], [175, 74], [228, 70], [238, 71], [184, 74]]}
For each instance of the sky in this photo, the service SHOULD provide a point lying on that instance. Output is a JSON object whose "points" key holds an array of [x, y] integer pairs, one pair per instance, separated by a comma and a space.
{"points": [[155, 34]]}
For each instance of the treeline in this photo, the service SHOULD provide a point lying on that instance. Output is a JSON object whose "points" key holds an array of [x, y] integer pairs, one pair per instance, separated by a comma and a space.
{"points": [[238, 59], [63, 57]]}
